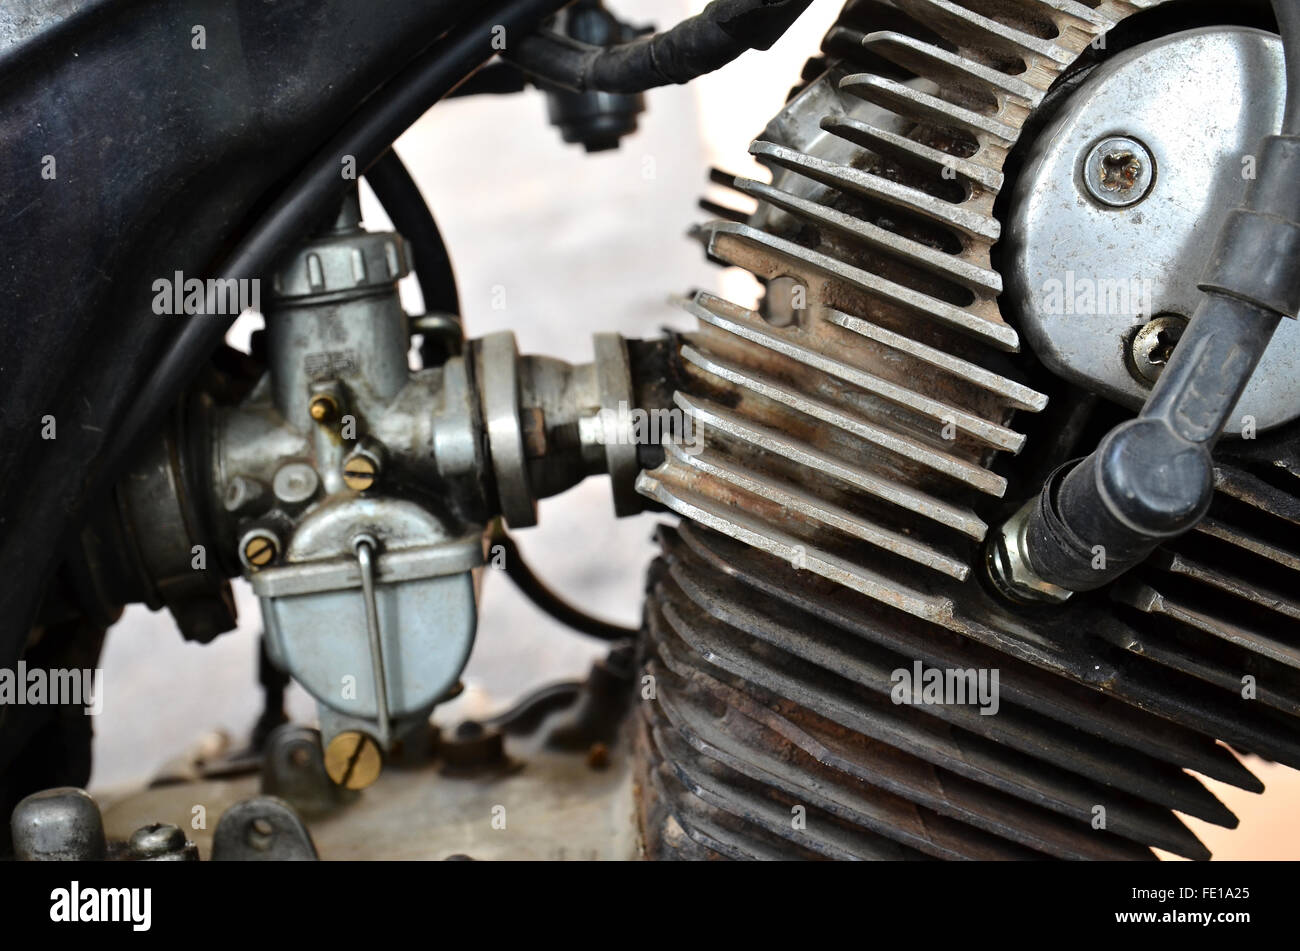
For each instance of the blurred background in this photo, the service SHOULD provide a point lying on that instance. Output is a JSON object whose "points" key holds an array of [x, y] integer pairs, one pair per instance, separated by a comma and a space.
{"points": [[572, 244]]}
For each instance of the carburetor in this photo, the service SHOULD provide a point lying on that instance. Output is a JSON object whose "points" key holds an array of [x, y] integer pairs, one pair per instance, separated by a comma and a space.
{"points": [[355, 493]]}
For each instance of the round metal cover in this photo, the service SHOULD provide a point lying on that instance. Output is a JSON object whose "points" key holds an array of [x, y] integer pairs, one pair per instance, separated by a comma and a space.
{"points": [[1086, 275]]}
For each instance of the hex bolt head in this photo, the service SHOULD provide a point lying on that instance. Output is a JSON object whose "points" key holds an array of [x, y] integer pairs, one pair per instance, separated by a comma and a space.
{"points": [[258, 548], [353, 759], [1153, 345], [1007, 564], [360, 470], [1119, 171]]}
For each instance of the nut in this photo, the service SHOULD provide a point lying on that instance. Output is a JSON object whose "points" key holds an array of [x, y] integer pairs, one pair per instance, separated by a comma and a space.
{"points": [[1010, 570]]}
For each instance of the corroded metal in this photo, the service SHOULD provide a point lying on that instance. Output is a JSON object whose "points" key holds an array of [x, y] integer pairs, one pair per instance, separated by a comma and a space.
{"points": [[844, 470]]}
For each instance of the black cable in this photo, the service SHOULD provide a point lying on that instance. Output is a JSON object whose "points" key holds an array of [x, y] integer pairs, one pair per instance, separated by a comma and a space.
{"points": [[443, 67], [700, 44], [413, 219], [498, 79], [1287, 13], [550, 602], [526, 714]]}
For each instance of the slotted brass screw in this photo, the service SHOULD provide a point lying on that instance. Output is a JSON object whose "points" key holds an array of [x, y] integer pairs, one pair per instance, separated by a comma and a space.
{"points": [[353, 760], [259, 551], [359, 472]]}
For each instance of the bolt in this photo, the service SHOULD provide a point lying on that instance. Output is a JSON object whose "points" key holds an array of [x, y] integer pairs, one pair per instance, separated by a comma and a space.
{"points": [[260, 548], [243, 493], [157, 839], [1119, 171], [323, 408], [353, 760], [295, 482], [1154, 344], [360, 470], [1008, 567], [62, 825]]}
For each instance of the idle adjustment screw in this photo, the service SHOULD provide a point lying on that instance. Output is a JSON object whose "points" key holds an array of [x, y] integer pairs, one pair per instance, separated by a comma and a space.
{"points": [[360, 470], [259, 548]]}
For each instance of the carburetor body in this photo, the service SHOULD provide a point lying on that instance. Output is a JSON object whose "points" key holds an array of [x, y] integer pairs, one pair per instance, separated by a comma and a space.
{"points": [[356, 493]]}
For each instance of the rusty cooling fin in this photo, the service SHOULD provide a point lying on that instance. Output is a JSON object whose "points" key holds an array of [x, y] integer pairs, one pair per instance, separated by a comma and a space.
{"points": [[842, 471]]}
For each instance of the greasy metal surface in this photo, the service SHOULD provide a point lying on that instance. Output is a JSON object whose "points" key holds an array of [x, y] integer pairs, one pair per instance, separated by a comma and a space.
{"points": [[334, 320], [1220, 600], [162, 842], [1008, 760], [58, 825], [554, 807], [839, 757], [866, 668], [845, 472], [294, 769], [1085, 276]]}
